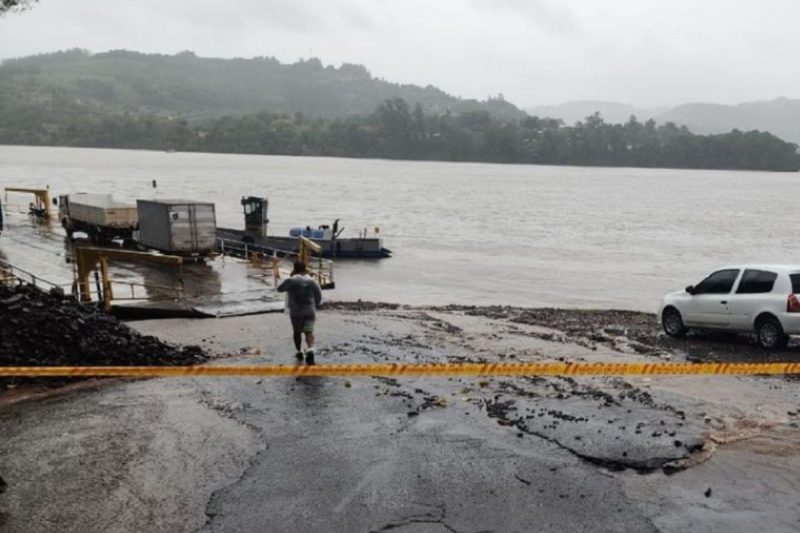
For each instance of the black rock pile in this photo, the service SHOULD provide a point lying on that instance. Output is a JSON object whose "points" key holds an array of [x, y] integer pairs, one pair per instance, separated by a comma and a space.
{"points": [[40, 329]]}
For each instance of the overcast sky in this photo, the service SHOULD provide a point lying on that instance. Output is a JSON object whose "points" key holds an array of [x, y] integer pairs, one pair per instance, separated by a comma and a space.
{"points": [[644, 52]]}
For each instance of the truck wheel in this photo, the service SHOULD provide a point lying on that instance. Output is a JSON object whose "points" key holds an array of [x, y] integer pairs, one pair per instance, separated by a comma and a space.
{"points": [[672, 322], [770, 333]]}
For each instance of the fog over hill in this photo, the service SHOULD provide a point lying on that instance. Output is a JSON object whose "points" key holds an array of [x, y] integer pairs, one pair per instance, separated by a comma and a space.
{"points": [[196, 87], [780, 116]]}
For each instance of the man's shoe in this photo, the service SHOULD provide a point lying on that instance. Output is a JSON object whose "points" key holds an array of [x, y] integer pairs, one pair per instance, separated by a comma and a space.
{"points": [[299, 356], [310, 357]]}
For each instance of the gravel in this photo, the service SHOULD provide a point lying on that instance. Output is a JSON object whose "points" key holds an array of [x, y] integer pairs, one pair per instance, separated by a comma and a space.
{"points": [[47, 329]]}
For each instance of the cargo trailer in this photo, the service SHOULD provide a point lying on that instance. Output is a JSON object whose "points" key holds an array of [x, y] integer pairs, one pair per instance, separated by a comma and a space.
{"points": [[98, 215], [178, 227]]}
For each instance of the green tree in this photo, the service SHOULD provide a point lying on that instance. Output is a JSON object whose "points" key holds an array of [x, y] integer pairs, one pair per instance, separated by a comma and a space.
{"points": [[14, 5]]}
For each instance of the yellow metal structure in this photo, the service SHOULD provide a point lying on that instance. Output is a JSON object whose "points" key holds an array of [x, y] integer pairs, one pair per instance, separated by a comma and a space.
{"points": [[317, 271], [307, 247], [41, 196], [87, 259], [318, 268]]}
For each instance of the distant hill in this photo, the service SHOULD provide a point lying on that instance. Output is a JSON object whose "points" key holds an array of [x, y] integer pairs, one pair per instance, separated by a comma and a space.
{"points": [[781, 116], [613, 112], [195, 87]]}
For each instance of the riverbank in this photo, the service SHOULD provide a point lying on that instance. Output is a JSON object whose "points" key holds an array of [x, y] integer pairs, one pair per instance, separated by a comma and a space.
{"points": [[604, 453]]}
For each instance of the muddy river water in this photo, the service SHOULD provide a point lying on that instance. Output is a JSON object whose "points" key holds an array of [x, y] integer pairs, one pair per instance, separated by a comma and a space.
{"points": [[471, 233]]}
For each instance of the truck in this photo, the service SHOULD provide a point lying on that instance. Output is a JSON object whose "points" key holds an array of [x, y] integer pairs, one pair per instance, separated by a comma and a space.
{"points": [[98, 215], [178, 227]]}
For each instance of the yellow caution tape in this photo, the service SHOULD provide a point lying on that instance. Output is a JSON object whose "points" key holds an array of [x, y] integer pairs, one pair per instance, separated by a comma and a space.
{"points": [[417, 369]]}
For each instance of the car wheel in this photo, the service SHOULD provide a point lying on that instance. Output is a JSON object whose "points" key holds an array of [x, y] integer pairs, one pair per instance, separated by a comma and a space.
{"points": [[672, 322], [770, 333]]}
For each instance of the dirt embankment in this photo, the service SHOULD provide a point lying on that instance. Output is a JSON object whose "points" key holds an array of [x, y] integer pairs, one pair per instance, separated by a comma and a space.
{"points": [[40, 329]]}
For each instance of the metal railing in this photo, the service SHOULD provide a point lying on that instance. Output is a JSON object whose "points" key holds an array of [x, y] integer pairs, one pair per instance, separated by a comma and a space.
{"points": [[130, 291], [11, 274], [279, 261]]}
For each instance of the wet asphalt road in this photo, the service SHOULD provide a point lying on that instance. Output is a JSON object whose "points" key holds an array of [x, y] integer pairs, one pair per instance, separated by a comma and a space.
{"points": [[300, 455], [328, 454], [339, 460]]}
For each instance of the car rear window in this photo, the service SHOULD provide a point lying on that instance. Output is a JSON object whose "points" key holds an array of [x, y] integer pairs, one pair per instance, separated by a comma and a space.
{"points": [[758, 281], [795, 282]]}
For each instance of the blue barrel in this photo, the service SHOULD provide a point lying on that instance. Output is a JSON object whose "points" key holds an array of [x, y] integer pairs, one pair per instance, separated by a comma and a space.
{"points": [[295, 232]]}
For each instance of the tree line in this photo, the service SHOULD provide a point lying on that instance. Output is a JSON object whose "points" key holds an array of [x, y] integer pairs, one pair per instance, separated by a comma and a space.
{"points": [[396, 130]]}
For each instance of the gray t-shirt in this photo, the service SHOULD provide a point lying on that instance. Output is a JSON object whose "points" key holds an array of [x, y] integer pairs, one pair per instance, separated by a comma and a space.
{"points": [[304, 295]]}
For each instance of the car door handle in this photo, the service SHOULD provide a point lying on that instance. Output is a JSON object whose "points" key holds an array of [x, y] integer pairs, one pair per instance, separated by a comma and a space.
{"points": [[724, 302]]}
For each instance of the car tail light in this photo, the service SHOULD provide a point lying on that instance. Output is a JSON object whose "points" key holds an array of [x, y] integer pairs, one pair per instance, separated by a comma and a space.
{"points": [[792, 304]]}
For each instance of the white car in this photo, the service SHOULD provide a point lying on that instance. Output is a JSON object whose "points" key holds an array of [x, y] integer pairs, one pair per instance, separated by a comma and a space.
{"points": [[760, 299]]}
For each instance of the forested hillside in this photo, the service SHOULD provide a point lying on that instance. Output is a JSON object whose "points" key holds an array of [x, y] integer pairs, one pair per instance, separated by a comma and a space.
{"points": [[260, 106], [397, 131], [193, 87]]}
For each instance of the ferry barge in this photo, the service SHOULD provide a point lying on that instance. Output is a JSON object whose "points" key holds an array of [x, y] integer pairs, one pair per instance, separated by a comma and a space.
{"points": [[365, 246]]}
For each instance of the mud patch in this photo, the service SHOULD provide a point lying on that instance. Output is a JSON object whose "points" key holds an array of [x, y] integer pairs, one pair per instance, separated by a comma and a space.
{"points": [[634, 332]]}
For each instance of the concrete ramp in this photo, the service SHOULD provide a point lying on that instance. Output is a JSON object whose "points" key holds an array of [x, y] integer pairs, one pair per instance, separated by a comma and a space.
{"points": [[221, 307], [221, 287], [234, 305]]}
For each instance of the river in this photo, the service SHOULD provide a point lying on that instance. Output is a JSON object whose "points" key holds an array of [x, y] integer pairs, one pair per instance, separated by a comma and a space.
{"points": [[471, 233]]}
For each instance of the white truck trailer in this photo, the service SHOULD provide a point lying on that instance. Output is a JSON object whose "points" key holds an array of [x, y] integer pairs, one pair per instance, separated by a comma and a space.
{"points": [[98, 215], [179, 227]]}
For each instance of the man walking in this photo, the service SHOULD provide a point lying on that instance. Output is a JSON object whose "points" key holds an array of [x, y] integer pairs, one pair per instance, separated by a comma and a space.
{"points": [[304, 296]]}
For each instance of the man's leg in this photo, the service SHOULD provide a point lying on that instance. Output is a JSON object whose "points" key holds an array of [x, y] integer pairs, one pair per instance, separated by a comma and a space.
{"points": [[297, 332], [298, 340], [308, 329]]}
